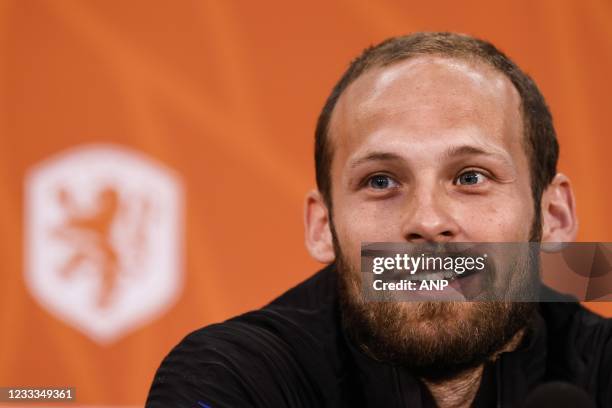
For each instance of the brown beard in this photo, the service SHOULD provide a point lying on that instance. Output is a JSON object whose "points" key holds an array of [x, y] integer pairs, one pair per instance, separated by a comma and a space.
{"points": [[435, 340]]}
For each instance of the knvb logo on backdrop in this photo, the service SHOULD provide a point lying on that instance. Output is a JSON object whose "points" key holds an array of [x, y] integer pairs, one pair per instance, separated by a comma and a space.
{"points": [[103, 228]]}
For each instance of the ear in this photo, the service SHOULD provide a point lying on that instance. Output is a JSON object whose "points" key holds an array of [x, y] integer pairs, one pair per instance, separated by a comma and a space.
{"points": [[317, 228], [559, 221]]}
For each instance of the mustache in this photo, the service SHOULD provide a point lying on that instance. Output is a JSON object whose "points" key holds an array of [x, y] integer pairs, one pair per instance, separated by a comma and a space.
{"points": [[371, 249]]}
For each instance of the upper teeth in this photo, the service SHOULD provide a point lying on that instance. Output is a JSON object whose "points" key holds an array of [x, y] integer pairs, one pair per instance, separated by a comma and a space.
{"points": [[422, 276]]}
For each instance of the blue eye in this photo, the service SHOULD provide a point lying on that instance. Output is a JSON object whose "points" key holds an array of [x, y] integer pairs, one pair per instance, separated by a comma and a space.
{"points": [[470, 178], [381, 182]]}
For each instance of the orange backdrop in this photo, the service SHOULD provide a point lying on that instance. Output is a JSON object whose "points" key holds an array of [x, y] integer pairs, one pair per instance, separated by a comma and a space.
{"points": [[226, 94]]}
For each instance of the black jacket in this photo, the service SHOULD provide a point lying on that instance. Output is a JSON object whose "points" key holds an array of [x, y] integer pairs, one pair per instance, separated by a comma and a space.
{"points": [[292, 353]]}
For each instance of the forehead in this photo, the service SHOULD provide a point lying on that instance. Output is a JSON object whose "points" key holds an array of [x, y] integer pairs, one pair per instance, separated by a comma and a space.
{"points": [[428, 96]]}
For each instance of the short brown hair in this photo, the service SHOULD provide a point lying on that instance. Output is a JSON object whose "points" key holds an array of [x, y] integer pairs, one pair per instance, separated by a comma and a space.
{"points": [[541, 144]]}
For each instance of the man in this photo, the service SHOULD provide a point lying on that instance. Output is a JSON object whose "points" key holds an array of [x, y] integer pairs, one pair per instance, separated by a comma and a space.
{"points": [[427, 138]]}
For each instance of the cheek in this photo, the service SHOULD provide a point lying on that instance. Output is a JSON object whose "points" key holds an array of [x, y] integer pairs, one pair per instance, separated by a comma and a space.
{"points": [[363, 222], [506, 219]]}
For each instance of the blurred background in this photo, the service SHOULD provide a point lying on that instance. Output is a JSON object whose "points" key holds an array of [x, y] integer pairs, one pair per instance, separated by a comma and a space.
{"points": [[154, 157]]}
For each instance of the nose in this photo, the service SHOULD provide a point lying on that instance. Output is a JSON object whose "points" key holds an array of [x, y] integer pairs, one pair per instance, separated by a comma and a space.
{"points": [[428, 218]]}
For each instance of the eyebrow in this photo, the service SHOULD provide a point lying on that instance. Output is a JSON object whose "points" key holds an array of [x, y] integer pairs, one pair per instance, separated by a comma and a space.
{"points": [[469, 150], [376, 156], [451, 152]]}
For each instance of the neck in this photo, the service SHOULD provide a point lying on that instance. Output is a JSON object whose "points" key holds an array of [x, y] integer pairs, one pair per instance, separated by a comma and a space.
{"points": [[459, 391]]}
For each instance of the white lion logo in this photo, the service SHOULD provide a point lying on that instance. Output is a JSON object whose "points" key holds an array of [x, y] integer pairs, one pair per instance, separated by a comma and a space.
{"points": [[103, 239]]}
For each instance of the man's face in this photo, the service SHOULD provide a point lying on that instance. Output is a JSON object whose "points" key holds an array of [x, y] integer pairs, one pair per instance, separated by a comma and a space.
{"points": [[428, 150]]}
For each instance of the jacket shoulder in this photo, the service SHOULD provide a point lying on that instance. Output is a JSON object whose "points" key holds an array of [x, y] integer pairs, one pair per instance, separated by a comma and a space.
{"points": [[276, 356]]}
